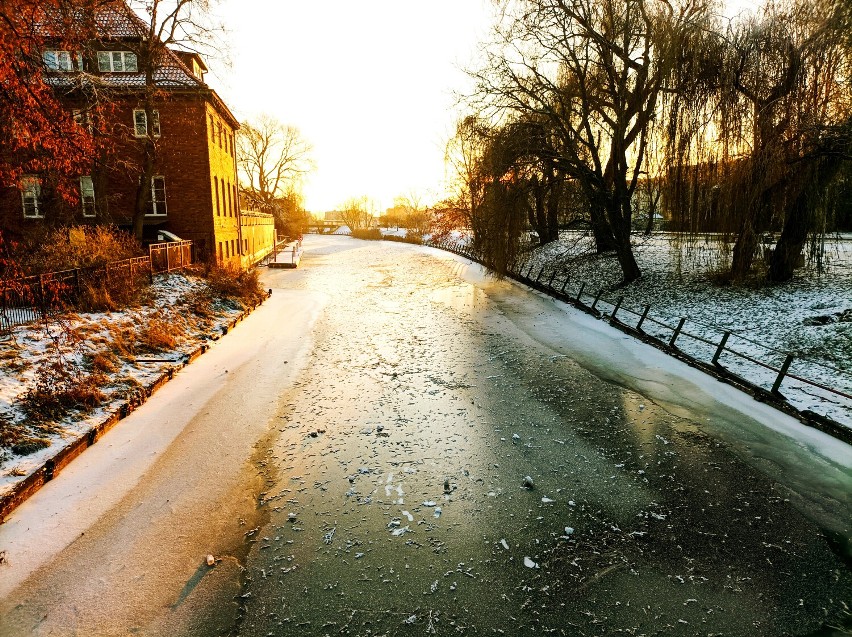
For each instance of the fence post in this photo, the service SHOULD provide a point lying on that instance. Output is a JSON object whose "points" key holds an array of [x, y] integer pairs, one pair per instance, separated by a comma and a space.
{"points": [[540, 272], [677, 332], [565, 283], [781, 374], [721, 347], [615, 309], [550, 283], [580, 293], [597, 298], [642, 318]]}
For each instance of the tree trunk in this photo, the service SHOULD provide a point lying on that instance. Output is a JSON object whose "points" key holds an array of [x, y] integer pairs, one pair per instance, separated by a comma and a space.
{"points": [[799, 221], [143, 191], [552, 215], [601, 230], [619, 215], [744, 249]]}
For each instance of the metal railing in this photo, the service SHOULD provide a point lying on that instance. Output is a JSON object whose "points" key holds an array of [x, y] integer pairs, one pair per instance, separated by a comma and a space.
{"points": [[725, 353], [173, 255]]}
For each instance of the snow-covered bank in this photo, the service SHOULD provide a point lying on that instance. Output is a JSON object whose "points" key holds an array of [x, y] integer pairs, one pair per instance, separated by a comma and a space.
{"points": [[763, 435], [215, 409], [114, 353], [809, 317]]}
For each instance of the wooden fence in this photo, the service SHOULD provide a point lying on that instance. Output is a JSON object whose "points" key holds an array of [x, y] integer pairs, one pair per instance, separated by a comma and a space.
{"points": [[726, 354]]}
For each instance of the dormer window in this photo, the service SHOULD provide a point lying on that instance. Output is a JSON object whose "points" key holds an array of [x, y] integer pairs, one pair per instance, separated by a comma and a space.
{"points": [[61, 61], [117, 62]]}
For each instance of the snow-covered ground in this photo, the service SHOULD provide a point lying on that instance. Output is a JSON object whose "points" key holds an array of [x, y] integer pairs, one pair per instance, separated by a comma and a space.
{"points": [[106, 349], [809, 317]]}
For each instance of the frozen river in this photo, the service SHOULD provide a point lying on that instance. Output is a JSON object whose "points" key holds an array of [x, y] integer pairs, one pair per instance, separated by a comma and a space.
{"points": [[458, 455]]}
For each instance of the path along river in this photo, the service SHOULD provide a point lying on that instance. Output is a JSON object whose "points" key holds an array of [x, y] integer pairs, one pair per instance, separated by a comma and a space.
{"points": [[458, 455]]}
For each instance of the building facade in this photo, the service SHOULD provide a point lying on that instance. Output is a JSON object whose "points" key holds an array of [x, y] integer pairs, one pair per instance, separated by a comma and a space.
{"points": [[194, 191]]}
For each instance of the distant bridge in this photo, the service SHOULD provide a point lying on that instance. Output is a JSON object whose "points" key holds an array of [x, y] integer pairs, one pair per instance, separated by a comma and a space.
{"points": [[324, 227]]}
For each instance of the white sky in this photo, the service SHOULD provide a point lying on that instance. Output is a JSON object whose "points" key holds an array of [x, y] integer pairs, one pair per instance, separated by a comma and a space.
{"points": [[368, 83]]}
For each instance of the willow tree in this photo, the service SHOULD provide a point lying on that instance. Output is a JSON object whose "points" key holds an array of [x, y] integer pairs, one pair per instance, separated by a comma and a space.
{"points": [[760, 127], [594, 70]]}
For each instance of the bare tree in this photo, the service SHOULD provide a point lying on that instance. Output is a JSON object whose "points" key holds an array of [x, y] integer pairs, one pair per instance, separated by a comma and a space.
{"points": [[357, 213], [273, 159], [594, 70]]}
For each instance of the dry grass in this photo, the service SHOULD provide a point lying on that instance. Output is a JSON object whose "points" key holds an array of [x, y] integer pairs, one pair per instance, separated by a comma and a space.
{"points": [[235, 284], [77, 247], [103, 362], [160, 334], [123, 339]]}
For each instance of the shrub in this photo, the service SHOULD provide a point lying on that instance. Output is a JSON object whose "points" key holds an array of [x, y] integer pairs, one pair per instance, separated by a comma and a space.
{"points": [[60, 388], [78, 247], [231, 282], [408, 238], [369, 234]]}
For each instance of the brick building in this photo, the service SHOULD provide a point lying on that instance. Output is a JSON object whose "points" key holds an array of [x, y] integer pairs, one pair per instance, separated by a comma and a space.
{"points": [[194, 189]]}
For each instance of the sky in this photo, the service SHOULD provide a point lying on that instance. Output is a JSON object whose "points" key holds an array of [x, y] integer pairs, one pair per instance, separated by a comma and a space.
{"points": [[370, 84]]}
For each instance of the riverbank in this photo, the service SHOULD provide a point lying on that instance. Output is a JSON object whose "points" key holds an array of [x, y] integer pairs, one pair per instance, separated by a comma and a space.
{"points": [[67, 380]]}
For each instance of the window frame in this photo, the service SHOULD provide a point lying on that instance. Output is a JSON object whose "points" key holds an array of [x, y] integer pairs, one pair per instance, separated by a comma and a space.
{"points": [[121, 67], [82, 117], [87, 201], [56, 66], [31, 188], [137, 124], [154, 210]]}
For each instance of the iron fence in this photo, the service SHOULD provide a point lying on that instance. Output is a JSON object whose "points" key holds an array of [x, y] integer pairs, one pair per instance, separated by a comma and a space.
{"points": [[174, 255], [727, 354], [40, 296]]}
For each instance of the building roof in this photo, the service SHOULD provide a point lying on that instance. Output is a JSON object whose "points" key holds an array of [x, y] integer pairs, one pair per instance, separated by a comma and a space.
{"points": [[117, 22]]}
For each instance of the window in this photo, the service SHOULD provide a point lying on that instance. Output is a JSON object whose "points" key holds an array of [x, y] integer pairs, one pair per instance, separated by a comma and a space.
{"points": [[117, 62], [216, 188], [31, 197], [158, 196], [82, 118], [227, 250], [87, 196], [58, 61], [140, 123], [233, 251]]}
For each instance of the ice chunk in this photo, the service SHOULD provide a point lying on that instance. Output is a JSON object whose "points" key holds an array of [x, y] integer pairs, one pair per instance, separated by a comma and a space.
{"points": [[505, 544], [528, 483], [529, 563]]}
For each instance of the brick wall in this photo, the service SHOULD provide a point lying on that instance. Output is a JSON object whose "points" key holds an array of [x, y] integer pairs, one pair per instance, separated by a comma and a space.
{"points": [[195, 156]]}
